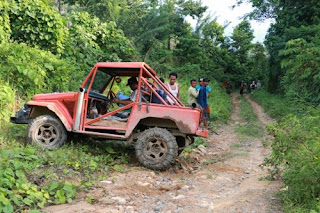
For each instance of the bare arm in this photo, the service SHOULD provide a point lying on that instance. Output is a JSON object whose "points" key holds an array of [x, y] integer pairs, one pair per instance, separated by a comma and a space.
{"points": [[124, 102]]}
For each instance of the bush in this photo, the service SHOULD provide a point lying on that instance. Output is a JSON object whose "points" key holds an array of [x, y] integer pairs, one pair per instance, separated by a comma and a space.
{"points": [[295, 150], [31, 177], [30, 70], [296, 153], [220, 103], [37, 23], [7, 97], [5, 29], [91, 41]]}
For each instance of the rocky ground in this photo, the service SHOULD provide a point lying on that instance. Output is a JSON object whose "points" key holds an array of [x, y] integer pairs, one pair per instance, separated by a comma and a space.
{"points": [[223, 177]]}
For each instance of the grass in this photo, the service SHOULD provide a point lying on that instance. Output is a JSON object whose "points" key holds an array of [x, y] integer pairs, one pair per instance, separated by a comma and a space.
{"points": [[251, 127], [295, 150], [31, 177], [278, 106]]}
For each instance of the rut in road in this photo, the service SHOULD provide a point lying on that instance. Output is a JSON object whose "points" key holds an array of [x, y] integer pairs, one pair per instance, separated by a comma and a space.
{"points": [[222, 178]]}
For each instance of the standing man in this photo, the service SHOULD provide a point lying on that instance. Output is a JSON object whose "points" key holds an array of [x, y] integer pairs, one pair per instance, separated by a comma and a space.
{"points": [[202, 101], [200, 84], [208, 90], [173, 87], [192, 93]]}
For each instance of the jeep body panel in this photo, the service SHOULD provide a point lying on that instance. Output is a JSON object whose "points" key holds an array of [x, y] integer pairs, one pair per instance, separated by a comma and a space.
{"points": [[185, 118]]}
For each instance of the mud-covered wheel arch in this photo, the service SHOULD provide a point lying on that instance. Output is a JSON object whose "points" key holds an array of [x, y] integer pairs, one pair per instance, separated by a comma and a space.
{"points": [[156, 148]]}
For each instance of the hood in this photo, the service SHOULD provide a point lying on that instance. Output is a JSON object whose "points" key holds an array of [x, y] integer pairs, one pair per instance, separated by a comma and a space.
{"points": [[55, 96]]}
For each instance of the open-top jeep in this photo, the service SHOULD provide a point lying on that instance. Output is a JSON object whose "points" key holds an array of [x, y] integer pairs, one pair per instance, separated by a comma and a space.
{"points": [[159, 129]]}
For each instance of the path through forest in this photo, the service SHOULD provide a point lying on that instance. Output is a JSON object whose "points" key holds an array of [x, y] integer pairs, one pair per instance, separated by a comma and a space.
{"points": [[224, 177]]}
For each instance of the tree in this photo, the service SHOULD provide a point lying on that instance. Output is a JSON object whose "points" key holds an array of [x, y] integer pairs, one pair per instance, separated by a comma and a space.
{"points": [[290, 17], [240, 45], [302, 64]]}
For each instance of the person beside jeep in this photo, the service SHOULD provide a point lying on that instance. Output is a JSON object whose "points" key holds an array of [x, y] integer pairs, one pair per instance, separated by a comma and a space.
{"points": [[208, 90], [192, 94]]}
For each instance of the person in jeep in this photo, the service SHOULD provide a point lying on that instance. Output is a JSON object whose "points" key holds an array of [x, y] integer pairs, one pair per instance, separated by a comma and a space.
{"points": [[133, 84]]}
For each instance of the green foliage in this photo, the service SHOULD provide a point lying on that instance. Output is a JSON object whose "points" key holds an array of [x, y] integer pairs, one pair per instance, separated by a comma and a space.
{"points": [[292, 20], [296, 150], [251, 127], [7, 100], [30, 177], [92, 41], [278, 106], [242, 37], [36, 23], [258, 64], [302, 77], [5, 29], [198, 142], [220, 103], [30, 70]]}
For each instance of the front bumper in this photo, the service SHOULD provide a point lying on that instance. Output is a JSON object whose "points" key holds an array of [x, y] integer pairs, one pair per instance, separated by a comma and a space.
{"points": [[21, 117], [203, 132], [16, 120]]}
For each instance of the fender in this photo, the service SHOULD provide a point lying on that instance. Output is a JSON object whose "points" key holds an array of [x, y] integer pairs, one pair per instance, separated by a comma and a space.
{"points": [[177, 116], [58, 109]]}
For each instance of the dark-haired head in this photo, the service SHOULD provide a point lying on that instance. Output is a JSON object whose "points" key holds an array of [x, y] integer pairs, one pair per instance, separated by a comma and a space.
{"points": [[173, 74], [172, 78], [193, 83]]}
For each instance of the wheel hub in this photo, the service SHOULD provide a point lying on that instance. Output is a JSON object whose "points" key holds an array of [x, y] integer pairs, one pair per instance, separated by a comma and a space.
{"points": [[47, 134], [156, 149]]}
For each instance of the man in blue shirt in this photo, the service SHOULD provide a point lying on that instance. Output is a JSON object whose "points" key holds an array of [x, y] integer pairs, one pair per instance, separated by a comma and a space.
{"points": [[202, 101], [208, 89], [200, 83]]}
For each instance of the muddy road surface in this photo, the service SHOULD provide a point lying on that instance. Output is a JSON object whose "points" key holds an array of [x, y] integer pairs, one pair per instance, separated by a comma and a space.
{"points": [[226, 176]]}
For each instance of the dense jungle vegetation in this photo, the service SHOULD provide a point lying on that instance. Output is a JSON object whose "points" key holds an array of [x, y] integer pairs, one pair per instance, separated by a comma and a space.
{"points": [[50, 46]]}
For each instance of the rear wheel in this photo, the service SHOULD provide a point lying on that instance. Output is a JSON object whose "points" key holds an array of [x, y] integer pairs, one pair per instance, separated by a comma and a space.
{"points": [[46, 131], [156, 149]]}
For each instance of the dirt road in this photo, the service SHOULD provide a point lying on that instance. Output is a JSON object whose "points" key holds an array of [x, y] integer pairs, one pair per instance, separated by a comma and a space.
{"points": [[224, 177]]}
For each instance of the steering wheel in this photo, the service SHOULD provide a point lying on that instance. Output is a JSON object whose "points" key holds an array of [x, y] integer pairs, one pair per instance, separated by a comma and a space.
{"points": [[111, 95], [109, 102]]}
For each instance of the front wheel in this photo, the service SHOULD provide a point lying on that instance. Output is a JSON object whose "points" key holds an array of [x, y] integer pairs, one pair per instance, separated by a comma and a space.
{"points": [[156, 149], [46, 131]]}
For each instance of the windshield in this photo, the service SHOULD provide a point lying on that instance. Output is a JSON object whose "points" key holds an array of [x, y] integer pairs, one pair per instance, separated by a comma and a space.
{"points": [[100, 81]]}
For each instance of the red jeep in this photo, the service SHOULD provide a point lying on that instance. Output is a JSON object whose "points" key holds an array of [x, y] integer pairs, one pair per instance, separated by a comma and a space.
{"points": [[159, 129]]}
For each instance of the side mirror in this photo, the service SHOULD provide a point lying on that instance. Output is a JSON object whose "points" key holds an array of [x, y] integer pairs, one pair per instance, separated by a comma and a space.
{"points": [[118, 79]]}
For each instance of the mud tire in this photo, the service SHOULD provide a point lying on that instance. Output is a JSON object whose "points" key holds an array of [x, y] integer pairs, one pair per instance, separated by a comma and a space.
{"points": [[156, 149], [46, 132]]}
